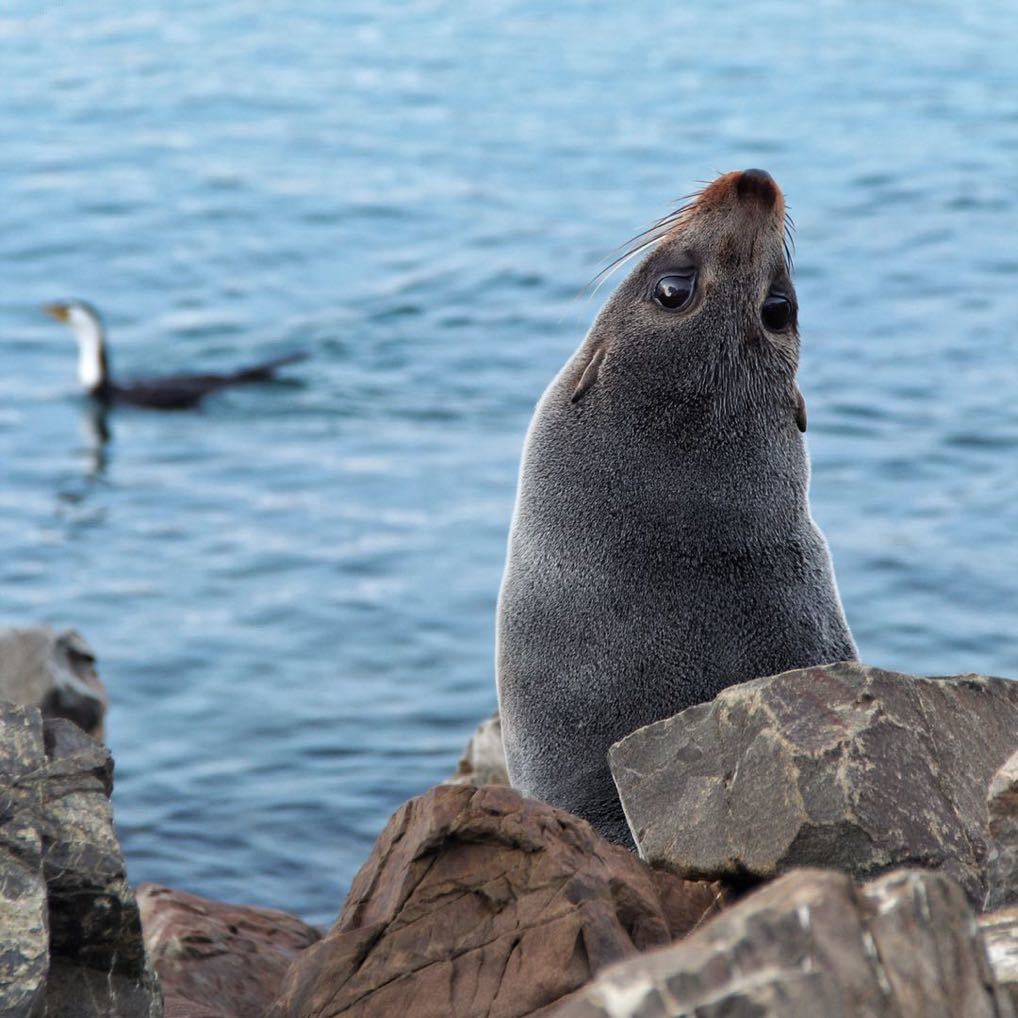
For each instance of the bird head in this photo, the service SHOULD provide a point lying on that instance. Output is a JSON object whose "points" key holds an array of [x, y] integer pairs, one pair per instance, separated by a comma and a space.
{"points": [[88, 329]]}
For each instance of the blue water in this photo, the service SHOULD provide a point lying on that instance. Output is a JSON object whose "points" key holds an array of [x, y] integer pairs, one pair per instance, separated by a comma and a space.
{"points": [[292, 591]]}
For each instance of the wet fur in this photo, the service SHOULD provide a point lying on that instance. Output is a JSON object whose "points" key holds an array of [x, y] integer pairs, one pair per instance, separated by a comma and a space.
{"points": [[662, 546]]}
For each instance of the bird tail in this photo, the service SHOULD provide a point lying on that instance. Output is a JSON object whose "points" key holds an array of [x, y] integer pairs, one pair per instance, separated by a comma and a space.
{"points": [[266, 369]]}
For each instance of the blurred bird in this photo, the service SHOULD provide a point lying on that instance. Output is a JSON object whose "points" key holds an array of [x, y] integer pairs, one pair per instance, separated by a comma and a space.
{"points": [[169, 392]]}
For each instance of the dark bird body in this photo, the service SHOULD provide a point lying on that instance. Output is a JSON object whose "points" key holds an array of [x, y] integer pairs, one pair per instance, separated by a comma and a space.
{"points": [[181, 392], [166, 392]]}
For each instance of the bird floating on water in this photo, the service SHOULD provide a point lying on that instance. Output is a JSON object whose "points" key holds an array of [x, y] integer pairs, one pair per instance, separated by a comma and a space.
{"points": [[169, 392]]}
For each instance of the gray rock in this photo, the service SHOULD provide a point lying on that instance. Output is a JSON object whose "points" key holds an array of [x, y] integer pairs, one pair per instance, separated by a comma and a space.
{"points": [[1000, 934], [24, 938], [54, 671], [1002, 807], [904, 946], [844, 765], [483, 761], [73, 923]]}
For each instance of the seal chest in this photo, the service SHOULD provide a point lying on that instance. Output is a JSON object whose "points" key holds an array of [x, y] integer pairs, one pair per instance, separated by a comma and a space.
{"points": [[662, 546]]}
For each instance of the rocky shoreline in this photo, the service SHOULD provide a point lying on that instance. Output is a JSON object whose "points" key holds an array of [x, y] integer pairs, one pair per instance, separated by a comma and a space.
{"points": [[837, 840]]}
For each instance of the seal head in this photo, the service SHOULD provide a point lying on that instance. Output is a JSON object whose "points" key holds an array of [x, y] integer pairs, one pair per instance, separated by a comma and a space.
{"points": [[662, 546], [710, 313]]}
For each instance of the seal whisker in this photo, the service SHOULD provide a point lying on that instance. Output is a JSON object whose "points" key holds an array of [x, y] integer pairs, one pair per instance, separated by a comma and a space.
{"points": [[788, 240], [654, 233], [603, 275]]}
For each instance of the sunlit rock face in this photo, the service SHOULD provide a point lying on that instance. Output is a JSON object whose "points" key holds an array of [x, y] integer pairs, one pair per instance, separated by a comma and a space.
{"points": [[844, 766], [476, 901], [906, 945]]}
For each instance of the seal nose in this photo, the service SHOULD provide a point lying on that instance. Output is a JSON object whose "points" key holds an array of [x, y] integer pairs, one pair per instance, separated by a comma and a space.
{"points": [[758, 185]]}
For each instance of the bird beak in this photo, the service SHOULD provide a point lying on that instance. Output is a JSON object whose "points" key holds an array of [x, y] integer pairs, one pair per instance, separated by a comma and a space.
{"points": [[57, 311]]}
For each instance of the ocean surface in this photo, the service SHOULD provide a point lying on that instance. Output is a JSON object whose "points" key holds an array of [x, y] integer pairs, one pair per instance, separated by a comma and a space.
{"points": [[291, 592]]}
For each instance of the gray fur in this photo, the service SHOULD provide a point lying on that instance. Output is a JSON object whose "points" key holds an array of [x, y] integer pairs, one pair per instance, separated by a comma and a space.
{"points": [[662, 546]]}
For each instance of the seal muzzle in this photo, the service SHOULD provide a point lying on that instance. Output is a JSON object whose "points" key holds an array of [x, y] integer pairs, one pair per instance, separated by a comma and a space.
{"points": [[757, 185]]}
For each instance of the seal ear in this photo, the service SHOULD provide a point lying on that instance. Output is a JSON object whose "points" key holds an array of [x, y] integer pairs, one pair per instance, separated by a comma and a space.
{"points": [[589, 376], [800, 410]]}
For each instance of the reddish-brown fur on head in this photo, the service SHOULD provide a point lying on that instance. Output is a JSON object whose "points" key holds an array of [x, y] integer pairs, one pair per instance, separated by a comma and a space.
{"points": [[731, 188], [741, 203]]}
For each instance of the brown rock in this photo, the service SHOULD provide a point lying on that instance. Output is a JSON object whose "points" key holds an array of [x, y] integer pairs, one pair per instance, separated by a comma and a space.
{"points": [[904, 946], [54, 672], [218, 959], [843, 765], [483, 761], [476, 901], [179, 1007]]}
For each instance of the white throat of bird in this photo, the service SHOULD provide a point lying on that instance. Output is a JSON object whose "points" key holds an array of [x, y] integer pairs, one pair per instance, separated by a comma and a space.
{"points": [[89, 333]]}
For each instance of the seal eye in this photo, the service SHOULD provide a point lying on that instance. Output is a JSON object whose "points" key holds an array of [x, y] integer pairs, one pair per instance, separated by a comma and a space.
{"points": [[776, 312], [674, 292]]}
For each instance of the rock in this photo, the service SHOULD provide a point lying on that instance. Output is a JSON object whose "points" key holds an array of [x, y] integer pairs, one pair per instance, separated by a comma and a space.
{"points": [[218, 959], [54, 672], [178, 1007], [97, 956], [904, 946], [24, 957], [1000, 934], [69, 922], [1002, 807], [476, 901], [844, 766], [483, 761]]}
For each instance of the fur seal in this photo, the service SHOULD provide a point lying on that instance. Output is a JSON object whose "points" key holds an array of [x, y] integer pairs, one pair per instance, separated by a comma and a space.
{"points": [[662, 546]]}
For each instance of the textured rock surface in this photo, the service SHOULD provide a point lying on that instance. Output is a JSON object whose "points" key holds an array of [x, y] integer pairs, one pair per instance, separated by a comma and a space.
{"points": [[59, 854], [214, 958], [179, 1007], [24, 940], [844, 766], [1000, 934], [476, 901], [904, 946], [1002, 808], [483, 761], [54, 671]]}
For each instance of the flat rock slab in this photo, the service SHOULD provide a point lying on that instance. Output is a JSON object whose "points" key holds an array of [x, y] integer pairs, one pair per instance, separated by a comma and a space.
{"points": [[216, 958], [844, 766], [904, 946], [478, 902]]}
